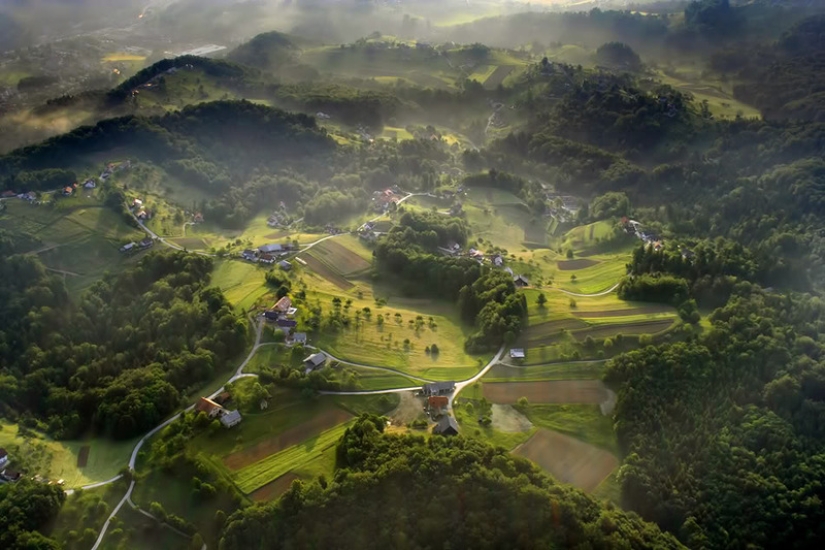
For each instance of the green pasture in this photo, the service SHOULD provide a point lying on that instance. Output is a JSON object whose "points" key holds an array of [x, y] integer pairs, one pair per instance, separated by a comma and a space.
{"points": [[553, 371], [371, 379], [467, 408], [34, 453], [720, 102], [242, 283], [80, 238]]}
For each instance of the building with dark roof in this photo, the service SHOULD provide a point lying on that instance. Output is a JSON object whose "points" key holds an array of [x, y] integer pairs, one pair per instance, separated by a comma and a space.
{"points": [[446, 426], [438, 388]]}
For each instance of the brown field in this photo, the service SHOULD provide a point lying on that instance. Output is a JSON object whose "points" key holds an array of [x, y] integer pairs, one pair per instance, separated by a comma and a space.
{"points": [[326, 272], [273, 489], [324, 421], [570, 265], [341, 259], [83, 456], [556, 391], [498, 76], [190, 243], [622, 312], [568, 459], [278, 235], [554, 326], [608, 331]]}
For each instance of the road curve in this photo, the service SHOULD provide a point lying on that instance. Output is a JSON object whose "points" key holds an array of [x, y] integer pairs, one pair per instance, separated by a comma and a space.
{"points": [[133, 458]]}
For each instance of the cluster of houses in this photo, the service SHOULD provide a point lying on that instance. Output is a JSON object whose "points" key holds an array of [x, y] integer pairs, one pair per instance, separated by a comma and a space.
{"points": [[112, 167], [140, 211], [269, 254], [282, 315], [31, 196], [632, 227], [214, 410], [437, 403], [381, 200], [280, 217], [132, 247]]}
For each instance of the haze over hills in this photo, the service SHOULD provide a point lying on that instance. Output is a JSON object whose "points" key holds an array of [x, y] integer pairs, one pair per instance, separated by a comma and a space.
{"points": [[418, 274]]}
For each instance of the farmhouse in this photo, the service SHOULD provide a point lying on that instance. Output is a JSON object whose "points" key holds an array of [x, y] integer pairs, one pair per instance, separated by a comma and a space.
{"points": [[4, 457], [446, 426], [147, 243], [128, 247], [283, 305], [249, 255], [90, 184], [137, 203], [208, 406], [8, 194], [315, 361], [438, 388], [67, 192], [10, 475], [437, 403], [498, 261], [517, 353], [286, 323], [285, 265], [270, 248], [231, 418], [299, 338], [521, 281], [267, 259]]}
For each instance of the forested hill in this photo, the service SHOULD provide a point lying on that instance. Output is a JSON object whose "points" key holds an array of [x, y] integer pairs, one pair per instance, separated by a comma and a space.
{"points": [[118, 359], [409, 492]]}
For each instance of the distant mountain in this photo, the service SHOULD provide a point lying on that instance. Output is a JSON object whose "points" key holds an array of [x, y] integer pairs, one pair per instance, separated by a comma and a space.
{"points": [[10, 32], [269, 52]]}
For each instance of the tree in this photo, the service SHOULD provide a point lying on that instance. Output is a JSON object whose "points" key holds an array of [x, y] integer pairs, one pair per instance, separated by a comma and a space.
{"points": [[197, 542], [434, 349], [541, 300]]}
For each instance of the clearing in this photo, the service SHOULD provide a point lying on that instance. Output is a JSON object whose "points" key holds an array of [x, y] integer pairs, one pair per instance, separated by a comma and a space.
{"points": [[568, 459], [552, 391]]}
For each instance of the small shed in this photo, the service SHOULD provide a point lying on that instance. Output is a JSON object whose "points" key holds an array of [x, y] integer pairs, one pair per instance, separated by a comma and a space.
{"points": [[521, 281], [517, 353], [285, 265], [208, 406]]}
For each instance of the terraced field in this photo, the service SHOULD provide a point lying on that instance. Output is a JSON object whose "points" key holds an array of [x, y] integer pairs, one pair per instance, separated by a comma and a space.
{"points": [[339, 258]]}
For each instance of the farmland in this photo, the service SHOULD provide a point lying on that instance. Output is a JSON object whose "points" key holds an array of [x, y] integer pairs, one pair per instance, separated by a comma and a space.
{"points": [[79, 237], [339, 258], [552, 371], [568, 459], [497, 77]]}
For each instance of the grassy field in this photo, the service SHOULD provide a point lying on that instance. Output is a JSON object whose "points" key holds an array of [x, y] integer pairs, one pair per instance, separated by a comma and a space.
{"points": [[720, 102], [80, 238], [582, 421], [35, 453], [397, 344], [538, 373], [370, 379], [242, 283], [119, 56]]}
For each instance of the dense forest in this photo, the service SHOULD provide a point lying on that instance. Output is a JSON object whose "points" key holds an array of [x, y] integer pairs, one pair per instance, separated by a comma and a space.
{"points": [[117, 359], [412, 492], [723, 434]]}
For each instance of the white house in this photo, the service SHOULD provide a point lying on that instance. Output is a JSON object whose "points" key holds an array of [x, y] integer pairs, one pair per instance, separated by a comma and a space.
{"points": [[4, 457]]}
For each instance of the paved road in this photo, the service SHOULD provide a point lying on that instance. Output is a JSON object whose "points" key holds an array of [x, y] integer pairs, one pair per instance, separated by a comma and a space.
{"points": [[133, 458]]}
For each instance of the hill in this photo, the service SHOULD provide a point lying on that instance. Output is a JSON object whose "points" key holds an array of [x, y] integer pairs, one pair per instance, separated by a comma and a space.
{"points": [[269, 52], [405, 491]]}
